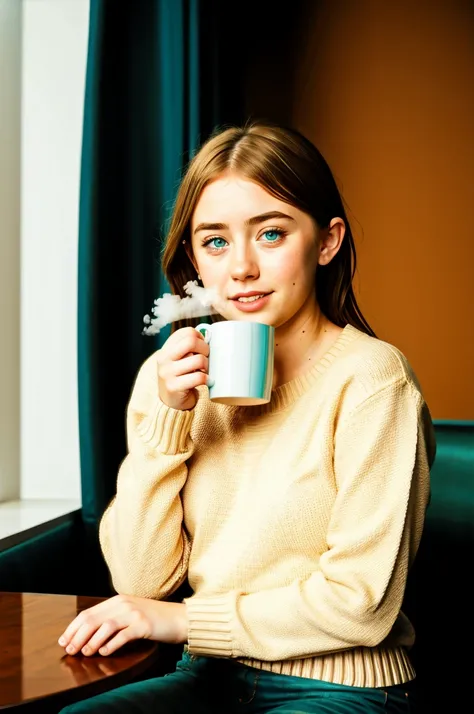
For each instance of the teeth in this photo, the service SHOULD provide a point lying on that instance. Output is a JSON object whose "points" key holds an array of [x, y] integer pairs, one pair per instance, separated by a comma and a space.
{"points": [[250, 299]]}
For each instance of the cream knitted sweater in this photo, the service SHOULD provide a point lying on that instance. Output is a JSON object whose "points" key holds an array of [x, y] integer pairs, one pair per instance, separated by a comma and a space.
{"points": [[295, 522]]}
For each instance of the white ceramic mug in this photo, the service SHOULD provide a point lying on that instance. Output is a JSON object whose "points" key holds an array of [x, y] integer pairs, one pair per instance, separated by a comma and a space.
{"points": [[240, 361]]}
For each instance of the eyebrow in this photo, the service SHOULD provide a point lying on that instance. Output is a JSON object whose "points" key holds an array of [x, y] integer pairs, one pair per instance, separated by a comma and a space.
{"points": [[255, 220]]}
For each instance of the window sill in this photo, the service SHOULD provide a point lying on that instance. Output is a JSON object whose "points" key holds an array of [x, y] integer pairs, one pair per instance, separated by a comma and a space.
{"points": [[22, 520]]}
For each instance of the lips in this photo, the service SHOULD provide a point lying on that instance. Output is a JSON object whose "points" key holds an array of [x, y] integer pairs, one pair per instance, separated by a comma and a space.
{"points": [[249, 297], [249, 302]]}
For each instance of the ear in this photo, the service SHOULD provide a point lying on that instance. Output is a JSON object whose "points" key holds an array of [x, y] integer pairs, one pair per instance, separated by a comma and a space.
{"points": [[331, 240]]}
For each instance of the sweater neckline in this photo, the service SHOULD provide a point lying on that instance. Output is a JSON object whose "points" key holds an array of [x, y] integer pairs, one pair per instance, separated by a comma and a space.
{"points": [[288, 393]]}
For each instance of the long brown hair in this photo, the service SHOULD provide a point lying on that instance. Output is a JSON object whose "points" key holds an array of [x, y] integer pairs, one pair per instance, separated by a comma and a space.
{"points": [[289, 167]]}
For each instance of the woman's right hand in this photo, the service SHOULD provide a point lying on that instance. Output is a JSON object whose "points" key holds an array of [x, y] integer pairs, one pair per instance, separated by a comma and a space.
{"points": [[183, 364]]}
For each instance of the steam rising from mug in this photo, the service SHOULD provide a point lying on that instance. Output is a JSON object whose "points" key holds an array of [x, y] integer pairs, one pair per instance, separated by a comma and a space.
{"points": [[170, 308]]}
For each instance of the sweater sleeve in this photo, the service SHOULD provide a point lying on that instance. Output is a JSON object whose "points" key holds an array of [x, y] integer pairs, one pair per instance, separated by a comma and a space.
{"points": [[382, 456], [141, 532]]}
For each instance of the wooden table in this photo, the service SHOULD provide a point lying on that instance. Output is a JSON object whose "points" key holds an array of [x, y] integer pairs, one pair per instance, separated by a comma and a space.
{"points": [[36, 674]]}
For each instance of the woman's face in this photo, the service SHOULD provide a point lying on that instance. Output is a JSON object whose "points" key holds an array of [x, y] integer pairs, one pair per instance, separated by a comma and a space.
{"points": [[259, 252]]}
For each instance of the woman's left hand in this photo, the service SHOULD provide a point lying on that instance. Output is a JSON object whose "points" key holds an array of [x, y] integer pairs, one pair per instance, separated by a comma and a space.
{"points": [[123, 618]]}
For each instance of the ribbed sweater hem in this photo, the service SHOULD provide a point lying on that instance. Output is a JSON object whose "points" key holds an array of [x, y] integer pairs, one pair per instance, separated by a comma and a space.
{"points": [[357, 667], [210, 635]]}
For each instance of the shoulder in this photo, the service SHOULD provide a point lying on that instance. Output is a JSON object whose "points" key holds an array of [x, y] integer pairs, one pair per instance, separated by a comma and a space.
{"points": [[379, 386], [368, 365]]}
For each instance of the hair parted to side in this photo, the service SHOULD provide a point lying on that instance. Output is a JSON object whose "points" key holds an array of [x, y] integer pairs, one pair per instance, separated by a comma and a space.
{"points": [[289, 167]]}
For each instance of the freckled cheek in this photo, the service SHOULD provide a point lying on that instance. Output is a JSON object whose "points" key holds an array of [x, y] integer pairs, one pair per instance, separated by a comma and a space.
{"points": [[296, 272]]}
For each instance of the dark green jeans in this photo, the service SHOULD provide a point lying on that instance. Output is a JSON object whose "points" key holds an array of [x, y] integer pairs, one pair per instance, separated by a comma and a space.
{"points": [[205, 685]]}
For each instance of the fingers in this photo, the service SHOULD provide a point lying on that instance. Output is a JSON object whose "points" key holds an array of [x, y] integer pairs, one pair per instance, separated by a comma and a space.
{"points": [[187, 365], [89, 642], [86, 617], [182, 366], [133, 627], [69, 634], [105, 627], [81, 637], [186, 382], [189, 341], [181, 334], [120, 639]]}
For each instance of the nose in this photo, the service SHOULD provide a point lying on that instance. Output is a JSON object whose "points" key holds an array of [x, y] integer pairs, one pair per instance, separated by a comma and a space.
{"points": [[244, 265]]}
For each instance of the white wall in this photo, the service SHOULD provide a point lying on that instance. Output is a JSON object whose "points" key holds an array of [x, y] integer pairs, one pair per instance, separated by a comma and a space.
{"points": [[10, 107], [55, 34]]}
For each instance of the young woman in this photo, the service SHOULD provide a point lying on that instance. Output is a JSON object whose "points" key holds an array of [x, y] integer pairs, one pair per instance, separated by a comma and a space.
{"points": [[295, 522]]}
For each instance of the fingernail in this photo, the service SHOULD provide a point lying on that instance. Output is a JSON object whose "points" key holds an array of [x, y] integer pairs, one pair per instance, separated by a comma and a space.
{"points": [[103, 650], [85, 650], [61, 641], [70, 649]]}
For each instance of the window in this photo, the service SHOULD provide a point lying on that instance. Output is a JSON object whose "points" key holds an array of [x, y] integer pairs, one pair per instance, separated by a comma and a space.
{"points": [[43, 53]]}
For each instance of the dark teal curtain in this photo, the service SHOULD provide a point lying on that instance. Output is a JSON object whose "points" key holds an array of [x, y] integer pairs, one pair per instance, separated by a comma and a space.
{"points": [[154, 73]]}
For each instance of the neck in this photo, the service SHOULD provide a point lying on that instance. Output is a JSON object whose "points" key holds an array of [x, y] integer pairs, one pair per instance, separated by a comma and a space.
{"points": [[300, 342]]}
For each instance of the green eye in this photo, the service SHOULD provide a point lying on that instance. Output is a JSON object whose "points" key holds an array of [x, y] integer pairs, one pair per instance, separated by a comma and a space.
{"points": [[216, 243], [273, 235]]}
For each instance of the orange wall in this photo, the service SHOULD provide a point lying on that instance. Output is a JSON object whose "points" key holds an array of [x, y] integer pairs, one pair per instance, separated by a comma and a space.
{"points": [[386, 92]]}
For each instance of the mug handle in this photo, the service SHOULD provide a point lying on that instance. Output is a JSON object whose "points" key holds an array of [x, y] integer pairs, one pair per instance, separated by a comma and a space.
{"points": [[205, 331]]}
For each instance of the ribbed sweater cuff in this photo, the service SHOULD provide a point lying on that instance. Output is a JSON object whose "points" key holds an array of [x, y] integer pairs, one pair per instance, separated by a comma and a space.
{"points": [[209, 631], [166, 429]]}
